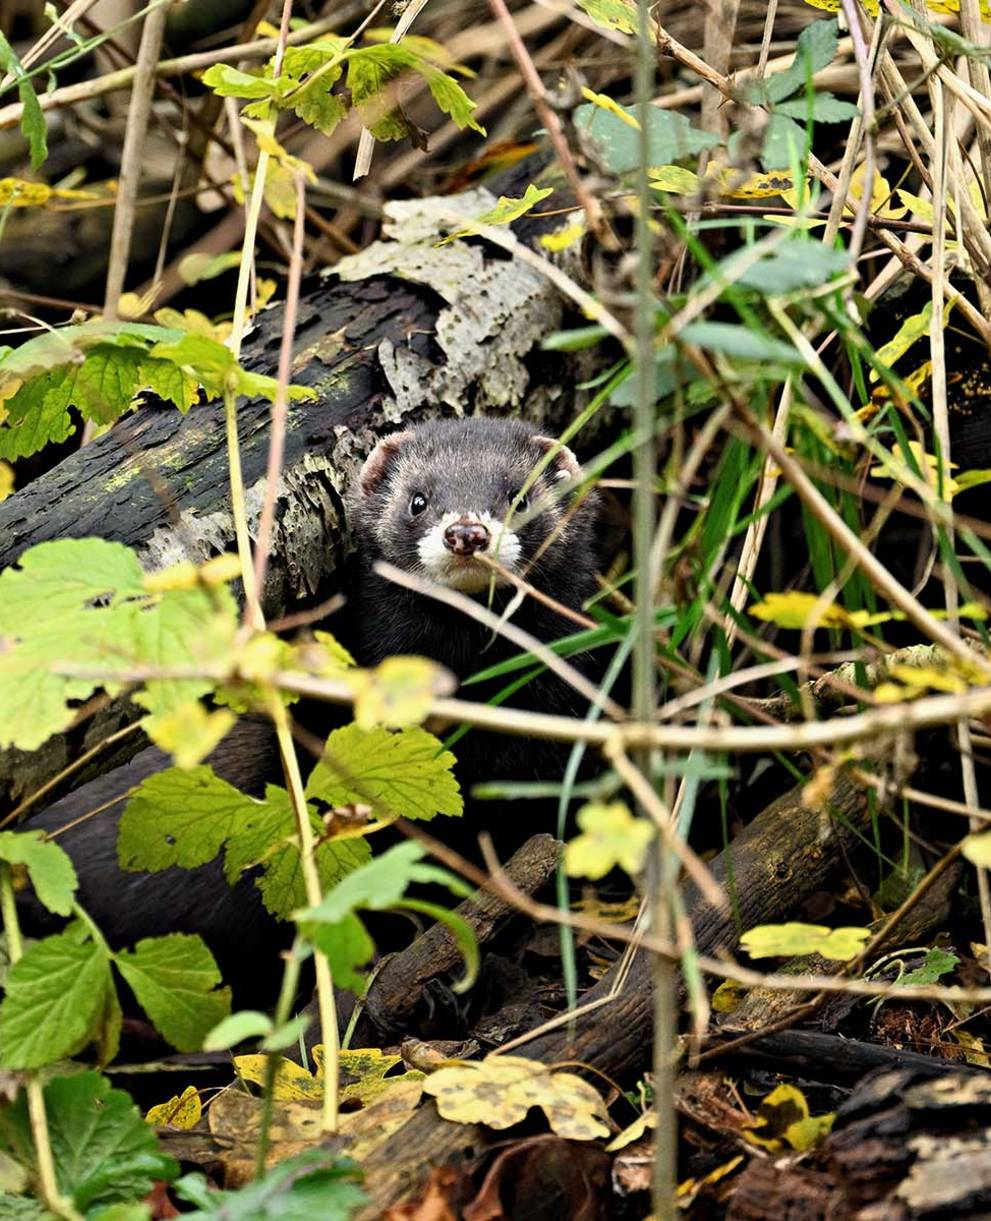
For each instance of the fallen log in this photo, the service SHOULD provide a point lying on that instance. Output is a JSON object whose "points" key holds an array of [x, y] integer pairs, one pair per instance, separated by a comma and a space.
{"points": [[769, 868]]}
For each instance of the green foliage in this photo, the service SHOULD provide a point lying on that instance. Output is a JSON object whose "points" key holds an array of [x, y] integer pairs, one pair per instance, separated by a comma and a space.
{"points": [[317, 1183], [50, 869], [672, 137], [99, 367], [309, 74], [381, 885], [406, 773], [33, 119], [935, 965], [60, 996], [80, 602], [790, 96], [186, 817], [104, 1152]]}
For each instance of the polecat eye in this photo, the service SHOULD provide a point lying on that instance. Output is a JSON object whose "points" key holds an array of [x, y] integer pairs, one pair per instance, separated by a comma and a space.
{"points": [[521, 501], [418, 502]]}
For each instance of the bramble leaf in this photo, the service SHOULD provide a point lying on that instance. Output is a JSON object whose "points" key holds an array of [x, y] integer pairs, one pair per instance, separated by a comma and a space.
{"points": [[49, 867]]}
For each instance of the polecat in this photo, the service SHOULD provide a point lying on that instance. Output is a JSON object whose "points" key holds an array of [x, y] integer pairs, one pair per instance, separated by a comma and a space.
{"points": [[435, 499]]}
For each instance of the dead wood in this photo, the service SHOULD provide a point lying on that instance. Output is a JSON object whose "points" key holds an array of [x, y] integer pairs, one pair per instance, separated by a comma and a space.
{"points": [[786, 851], [397, 988]]}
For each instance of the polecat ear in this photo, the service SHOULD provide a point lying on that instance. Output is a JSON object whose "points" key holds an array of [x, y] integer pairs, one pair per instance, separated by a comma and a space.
{"points": [[564, 464], [377, 464]]}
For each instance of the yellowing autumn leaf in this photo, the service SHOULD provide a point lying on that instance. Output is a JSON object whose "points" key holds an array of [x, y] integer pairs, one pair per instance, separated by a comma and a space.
{"points": [[783, 1121], [6, 480], [880, 193], [895, 468], [398, 692], [611, 835], [561, 239], [604, 101], [636, 1129], [674, 180], [293, 1083], [977, 849], [500, 1090], [727, 996], [190, 732], [912, 329], [795, 610], [181, 1111], [794, 938]]}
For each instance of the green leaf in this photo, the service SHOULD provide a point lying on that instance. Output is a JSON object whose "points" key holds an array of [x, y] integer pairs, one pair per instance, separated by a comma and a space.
{"points": [[672, 137], [406, 773], [49, 867], [179, 817], [611, 836], [348, 947], [794, 938], [784, 142], [815, 50], [228, 82], [55, 999], [450, 97], [462, 932], [935, 965], [821, 108], [612, 14], [103, 1150], [313, 1184], [377, 886], [32, 119], [370, 71], [316, 105], [57, 579], [739, 341], [793, 265], [248, 1024], [175, 980]]}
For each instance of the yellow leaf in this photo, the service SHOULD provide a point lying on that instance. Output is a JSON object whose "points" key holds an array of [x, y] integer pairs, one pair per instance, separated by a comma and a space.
{"points": [[611, 836], [674, 180], [398, 692], [604, 101], [895, 468], [921, 209], [130, 305], [500, 1090], [783, 1120], [795, 610], [974, 1051], [190, 732], [17, 193], [561, 239], [911, 330], [181, 1112], [293, 1083], [880, 193], [636, 1129], [795, 938], [977, 849], [193, 321], [728, 995], [6, 480], [186, 575]]}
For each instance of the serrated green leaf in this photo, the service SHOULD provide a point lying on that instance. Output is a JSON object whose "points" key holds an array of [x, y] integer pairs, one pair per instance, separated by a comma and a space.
{"points": [[937, 963], [59, 578], [54, 1000], [370, 71], [175, 980], [405, 773], [181, 817], [49, 867], [313, 1184], [102, 1148], [33, 421], [815, 50], [612, 14], [784, 142], [450, 97], [671, 137], [735, 340], [32, 118], [316, 105], [301, 61], [228, 82]]}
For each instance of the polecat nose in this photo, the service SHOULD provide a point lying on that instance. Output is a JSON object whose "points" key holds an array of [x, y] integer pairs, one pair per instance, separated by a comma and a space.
{"points": [[465, 538]]}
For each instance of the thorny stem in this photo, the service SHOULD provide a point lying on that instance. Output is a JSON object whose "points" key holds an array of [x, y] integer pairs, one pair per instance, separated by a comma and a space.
{"points": [[36, 1099]]}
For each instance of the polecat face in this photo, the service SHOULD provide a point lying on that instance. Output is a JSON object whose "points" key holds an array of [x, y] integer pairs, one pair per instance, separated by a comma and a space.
{"points": [[443, 498]]}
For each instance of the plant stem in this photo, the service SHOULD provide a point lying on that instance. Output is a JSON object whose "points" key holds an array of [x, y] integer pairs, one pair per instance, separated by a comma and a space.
{"points": [[660, 871], [314, 893], [287, 993], [35, 1097], [252, 610]]}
